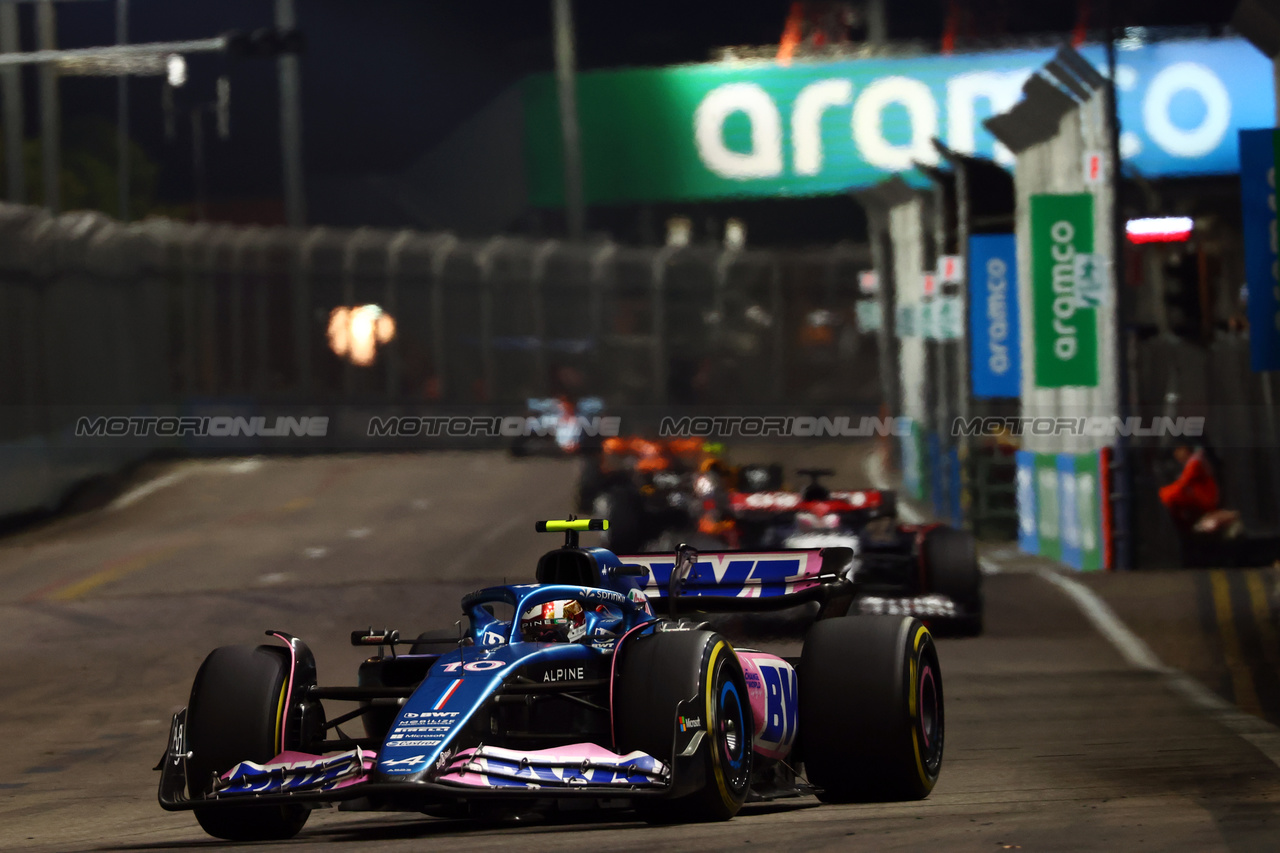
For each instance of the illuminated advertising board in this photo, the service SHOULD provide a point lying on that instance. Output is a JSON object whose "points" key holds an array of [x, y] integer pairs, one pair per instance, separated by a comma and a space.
{"points": [[758, 129], [1261, 246]]}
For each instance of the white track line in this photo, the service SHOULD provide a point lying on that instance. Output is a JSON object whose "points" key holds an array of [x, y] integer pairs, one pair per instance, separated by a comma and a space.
{"points": [[1264, 736], [164, 481], [139, 492], [1131, 647]]}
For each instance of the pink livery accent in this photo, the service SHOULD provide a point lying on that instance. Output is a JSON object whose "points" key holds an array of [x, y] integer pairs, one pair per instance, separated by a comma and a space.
{"points": [[288, 695], [613, 675], [771, 687], [294, 771], [578, 764]]}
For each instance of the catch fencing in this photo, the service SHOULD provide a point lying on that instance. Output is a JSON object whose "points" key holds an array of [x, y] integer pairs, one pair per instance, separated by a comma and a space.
{"points": [[159, 316]]}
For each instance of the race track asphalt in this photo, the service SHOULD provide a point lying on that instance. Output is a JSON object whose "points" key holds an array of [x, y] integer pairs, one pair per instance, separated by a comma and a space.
{"points": [[1054, 742]]}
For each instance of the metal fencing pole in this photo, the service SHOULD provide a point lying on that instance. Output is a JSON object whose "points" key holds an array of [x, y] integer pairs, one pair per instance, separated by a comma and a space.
{"points": [[209, 347], [537, 275], [566, 86], [391, 301], [439, 263], [1125, 550], [11, 84], [290, 75], [484, 259], [777, 308], [188, 251], [350, 249], [50, 110], [123, 177], [600, 279], [236, 309], [262, 369], [302, 307], [658, 329]]}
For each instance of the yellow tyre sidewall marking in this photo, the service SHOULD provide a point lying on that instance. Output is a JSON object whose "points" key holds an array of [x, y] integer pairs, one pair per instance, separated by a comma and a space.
{"points": [[729, 801], [279, 741], [912, 706]]}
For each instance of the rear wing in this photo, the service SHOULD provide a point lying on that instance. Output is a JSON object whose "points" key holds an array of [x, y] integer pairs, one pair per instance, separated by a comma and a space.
{"points": [[762, 506], [747, 581]]}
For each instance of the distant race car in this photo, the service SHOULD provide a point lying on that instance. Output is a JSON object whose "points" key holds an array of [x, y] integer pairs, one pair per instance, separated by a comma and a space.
{"points": [[925, 570], [648, 487], [559, 426], [572, 688]]}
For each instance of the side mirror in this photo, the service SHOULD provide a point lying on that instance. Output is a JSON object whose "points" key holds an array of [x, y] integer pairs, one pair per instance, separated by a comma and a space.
{"points": [[630, 571], [686, 559]]}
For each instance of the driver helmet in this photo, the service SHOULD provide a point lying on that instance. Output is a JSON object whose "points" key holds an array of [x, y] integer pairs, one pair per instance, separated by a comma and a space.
{"points": [[552, 622]]}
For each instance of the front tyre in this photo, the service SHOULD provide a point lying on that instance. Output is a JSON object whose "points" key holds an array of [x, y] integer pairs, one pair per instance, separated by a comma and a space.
{"points": [[871, 710], [658, 673], [236, 713]]}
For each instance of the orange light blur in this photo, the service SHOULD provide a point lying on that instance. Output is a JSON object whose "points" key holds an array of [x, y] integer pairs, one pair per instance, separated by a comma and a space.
{"points": [[356, 333]]}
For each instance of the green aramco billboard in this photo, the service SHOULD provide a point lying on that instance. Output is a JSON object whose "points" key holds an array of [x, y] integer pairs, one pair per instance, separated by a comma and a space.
{"points": [[758, 129], [1066, 279]]}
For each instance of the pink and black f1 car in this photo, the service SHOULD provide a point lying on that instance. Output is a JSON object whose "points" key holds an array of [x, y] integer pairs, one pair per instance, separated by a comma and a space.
{"points": [[924, 570], [572, 688]]}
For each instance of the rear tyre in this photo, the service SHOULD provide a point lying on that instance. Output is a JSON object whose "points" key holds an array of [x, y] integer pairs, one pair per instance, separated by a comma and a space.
{"points": [[622, 507], [871, 711], [951, 564], [235, 714], [658, 672]]}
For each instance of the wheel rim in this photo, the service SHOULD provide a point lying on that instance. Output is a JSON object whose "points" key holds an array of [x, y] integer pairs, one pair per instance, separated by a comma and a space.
{"points": [[732, 738], [929, 715]]}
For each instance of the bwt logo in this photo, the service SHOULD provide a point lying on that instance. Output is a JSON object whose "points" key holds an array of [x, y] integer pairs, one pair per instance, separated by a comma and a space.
{"points": [[201, 427]]}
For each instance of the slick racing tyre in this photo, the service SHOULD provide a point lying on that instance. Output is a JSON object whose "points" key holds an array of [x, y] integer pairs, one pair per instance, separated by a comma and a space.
{"points": [[621, 506], [871, 712], [235, 715], [951, 568], [657, 673]]}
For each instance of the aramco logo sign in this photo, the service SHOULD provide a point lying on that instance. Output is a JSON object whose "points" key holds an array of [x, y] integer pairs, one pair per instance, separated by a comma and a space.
{"points": [[870, 115], [734, 129]]}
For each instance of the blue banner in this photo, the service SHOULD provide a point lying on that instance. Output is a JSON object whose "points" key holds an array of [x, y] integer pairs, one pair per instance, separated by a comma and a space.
{"points": [[1028, 528], [1258, 198], [994, 354], [1069, 512]]}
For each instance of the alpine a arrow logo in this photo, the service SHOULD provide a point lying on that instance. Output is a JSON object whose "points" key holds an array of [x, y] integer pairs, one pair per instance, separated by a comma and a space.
{"points": [[404, 762]]}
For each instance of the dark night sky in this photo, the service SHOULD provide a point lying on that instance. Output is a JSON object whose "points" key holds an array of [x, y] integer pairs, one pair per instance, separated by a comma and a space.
{"points": [[384, 80]]}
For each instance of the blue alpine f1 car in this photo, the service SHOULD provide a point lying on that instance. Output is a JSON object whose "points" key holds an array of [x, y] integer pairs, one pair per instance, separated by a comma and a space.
{"points": [[573, 688]]}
